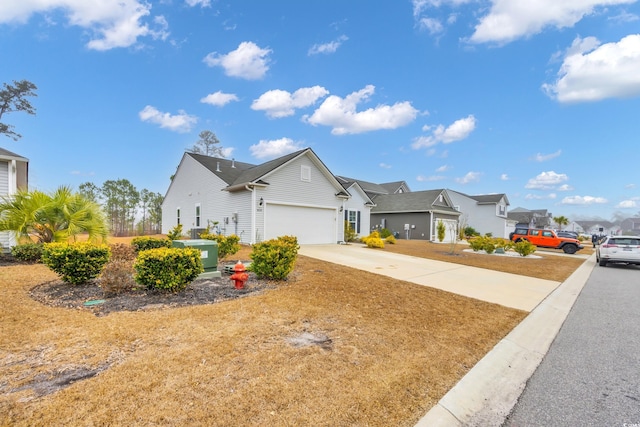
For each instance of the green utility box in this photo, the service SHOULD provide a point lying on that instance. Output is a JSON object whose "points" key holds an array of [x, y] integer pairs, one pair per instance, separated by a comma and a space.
{"points": [[208, 255]]}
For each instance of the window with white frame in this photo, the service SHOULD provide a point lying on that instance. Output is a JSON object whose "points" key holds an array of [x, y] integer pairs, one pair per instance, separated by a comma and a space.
{"points": [[197, 215], [353, 218], [502, 210]]}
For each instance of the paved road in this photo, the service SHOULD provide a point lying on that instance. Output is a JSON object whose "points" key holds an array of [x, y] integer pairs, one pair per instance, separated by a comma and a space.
{"points": [[591, 374]]}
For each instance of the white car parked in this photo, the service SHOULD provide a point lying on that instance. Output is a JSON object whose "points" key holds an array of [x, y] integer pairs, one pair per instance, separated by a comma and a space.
{"points": [[618, 249]]}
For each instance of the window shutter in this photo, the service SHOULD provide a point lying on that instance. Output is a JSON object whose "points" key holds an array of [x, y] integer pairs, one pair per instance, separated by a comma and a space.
{"points": [[358, 223], [346, 215]]}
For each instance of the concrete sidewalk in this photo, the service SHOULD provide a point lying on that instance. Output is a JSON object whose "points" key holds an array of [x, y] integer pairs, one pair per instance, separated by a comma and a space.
{"points": [[488, 392], [510, 290]]}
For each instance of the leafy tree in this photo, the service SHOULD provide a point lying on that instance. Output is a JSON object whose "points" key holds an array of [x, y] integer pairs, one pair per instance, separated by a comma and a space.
{"points": [[120, 202], [13, 98], [89, 191], [561, 220], [52, 217], [151, 205], [208, 144]]}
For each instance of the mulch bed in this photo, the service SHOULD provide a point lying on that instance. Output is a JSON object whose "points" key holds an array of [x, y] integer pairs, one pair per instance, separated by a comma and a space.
{"points": [[89, 296]]}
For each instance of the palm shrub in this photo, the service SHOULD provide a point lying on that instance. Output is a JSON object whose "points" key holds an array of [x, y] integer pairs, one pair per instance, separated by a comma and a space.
{"points": [[52, 217], [275, 258], [76, 262], [168, 269], [27, 252]]}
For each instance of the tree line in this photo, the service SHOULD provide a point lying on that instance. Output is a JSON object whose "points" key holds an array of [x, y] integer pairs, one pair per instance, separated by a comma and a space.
{"points": [[128, 210]]}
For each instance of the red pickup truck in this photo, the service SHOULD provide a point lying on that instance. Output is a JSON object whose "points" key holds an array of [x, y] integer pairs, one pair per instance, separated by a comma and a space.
{"points": [[546, 239]]}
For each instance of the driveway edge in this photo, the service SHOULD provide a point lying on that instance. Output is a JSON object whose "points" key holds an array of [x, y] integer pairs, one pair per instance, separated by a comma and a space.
{"points": [[488, 392]]}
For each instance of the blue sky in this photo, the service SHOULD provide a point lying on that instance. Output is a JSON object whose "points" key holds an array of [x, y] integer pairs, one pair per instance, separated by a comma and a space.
{"points": [[539, 100]]}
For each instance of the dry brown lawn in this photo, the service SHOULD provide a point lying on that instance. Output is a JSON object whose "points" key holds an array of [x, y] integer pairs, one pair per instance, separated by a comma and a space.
{"points": [[331, 346]]}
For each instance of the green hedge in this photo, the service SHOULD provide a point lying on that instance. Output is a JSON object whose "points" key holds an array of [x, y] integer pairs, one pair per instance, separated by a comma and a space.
{"points": [[274, 259], [76, 263], [227, 245], [28, 252], [170, 269], [143, 243]]}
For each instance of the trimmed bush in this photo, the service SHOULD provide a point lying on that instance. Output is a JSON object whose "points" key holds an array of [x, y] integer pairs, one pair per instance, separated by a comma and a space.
{"points": [[76, 262], [143, 243], [28, 252], [373, 240], [384, 233], [227, 245], [175, 233], [117, 277], [390, 239], [350, 234], [524, 247], [274, 259], [440, 227], [168, 269]]}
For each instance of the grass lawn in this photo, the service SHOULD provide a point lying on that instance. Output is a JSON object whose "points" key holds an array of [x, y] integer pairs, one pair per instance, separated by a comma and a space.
{"points": [[385, 351]]}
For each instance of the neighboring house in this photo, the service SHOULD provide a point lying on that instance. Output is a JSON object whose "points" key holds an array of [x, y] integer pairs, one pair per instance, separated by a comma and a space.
{"points": [[293, 195], [358, 207], [631, 226], [415, 215], [538, 218], [485, 213], [14, 176], [599, 228]]}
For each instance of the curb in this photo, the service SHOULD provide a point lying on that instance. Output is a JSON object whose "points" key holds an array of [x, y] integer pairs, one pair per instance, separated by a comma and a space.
{"points": [[488, 392]]}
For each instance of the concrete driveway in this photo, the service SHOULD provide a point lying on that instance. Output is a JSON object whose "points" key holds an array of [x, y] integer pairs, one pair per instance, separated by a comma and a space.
{"points": [[510, 290]]}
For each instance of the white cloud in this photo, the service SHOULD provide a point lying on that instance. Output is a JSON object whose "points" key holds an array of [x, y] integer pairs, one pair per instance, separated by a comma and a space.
{"points": [[551, 196], [432, 25], [219, 98], [422, 178], [181, 122], [627, 204], [544, 157], [504, 177], [274, 148], [546, 180], [565, 187], [111, 23], [469, 177], [341, 114], [509, 20], [280, 103], [384, 166], [583, 200], [443, 168], [592, 72], [327, 48], [458, 130], [248, 61], [202, 3]]}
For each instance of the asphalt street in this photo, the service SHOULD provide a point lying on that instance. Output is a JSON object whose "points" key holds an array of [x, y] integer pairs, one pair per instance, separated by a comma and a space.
{"points": [[591, 373]]}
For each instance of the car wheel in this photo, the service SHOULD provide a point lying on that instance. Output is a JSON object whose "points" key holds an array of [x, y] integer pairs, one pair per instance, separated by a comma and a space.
{"points": [[569, 249], [602, 263]]}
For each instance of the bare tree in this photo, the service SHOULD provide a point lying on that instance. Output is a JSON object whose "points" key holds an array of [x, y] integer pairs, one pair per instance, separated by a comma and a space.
{"points": [[208, 144], [12, 98]]}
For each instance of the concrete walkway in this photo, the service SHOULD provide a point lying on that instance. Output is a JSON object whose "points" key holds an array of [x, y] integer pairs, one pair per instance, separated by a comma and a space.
{"points": [[510, 290], [486, 395]]}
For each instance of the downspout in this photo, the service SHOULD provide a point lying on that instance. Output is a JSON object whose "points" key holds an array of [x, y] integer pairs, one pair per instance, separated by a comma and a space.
{"points": [[253, 214], [431, 227]]}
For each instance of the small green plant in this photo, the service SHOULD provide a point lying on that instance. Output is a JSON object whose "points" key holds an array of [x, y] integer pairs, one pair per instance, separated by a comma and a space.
{"points": [[390, 239], [441, 229], [143, 243], [167, 269], [470, 232], [175, 233], [227, 245], [489, 245], [76, 262], [27, 252], [384, 233], [350, 234], [477, 243], [275, 258], [524, 247]]}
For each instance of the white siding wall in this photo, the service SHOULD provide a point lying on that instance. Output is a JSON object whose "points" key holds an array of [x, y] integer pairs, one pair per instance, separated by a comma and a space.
{"points": [[481, 217], [356, 203], [7, 186], [193, 184]]}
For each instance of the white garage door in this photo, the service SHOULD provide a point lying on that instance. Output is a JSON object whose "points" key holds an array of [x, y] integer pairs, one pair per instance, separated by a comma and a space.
{"points": [[309, 225]]}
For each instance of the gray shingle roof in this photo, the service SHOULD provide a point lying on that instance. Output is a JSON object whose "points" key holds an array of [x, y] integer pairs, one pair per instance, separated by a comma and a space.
{"points": [[8, 154], [414, 201]]}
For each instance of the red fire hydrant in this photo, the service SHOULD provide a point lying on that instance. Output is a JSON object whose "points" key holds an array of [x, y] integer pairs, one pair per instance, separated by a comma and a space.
{"points": [[240, 276]]}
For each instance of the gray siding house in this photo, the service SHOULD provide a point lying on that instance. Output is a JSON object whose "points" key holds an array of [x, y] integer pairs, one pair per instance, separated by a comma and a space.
{"points": [[14, 175], [415, 215], [294, 195]]}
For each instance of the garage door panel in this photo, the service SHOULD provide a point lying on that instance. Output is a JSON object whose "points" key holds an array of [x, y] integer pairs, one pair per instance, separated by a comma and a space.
{"points": [[309, 225]]}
